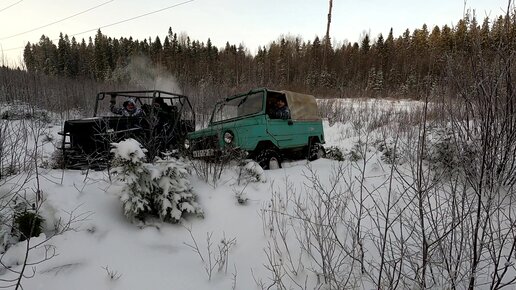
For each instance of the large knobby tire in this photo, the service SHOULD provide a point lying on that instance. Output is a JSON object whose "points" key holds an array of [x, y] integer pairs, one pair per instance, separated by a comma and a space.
{"points": [[316, 151], [269, 159]]}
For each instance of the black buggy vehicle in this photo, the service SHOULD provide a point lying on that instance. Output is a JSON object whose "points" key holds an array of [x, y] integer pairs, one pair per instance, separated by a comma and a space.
{"points": [[87, 142]]}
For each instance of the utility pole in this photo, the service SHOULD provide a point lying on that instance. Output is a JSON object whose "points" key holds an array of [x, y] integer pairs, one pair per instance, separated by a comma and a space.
{"points": [[329, 21], [327, 37]]}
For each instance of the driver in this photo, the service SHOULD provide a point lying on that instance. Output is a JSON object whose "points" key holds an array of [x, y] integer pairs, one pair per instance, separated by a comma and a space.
{"points": [[280, 110]]}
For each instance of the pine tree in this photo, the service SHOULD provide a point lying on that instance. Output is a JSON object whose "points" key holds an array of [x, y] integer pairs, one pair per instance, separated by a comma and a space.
{"points": [[100, 57], [365, 44], [28, 57], [73, 63], [64, 60], [156, 51], [130, 169], [173, 193], [159, 189]]}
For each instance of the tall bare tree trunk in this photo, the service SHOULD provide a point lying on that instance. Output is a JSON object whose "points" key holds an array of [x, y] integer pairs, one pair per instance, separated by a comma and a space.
{"points": [[327, 37], [329, 21]]}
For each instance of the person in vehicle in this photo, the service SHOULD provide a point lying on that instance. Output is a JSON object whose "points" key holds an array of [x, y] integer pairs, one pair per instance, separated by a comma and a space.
{"points": [[128, 109], [159, 103], [281, 110]]}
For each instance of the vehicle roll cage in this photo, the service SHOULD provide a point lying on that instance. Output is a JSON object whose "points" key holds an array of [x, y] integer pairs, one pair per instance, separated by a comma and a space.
{"points": [[145, 94]]}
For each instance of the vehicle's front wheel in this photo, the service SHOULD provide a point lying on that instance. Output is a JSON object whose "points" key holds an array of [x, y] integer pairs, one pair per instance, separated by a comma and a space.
{"points": [[316, 151], [269, 159]]}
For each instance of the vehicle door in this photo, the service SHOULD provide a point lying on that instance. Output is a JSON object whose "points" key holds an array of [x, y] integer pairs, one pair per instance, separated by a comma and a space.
{"points": [[287, 133]]}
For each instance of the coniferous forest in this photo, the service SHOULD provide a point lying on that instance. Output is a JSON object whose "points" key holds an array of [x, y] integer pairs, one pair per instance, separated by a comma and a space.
{"points": [[412, 194], [409, 65]]}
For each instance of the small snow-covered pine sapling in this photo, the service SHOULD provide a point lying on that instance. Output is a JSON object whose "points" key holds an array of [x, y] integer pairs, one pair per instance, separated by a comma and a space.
{"points": [[129, 168], [159, 189], [28, 224], [173, 195]]}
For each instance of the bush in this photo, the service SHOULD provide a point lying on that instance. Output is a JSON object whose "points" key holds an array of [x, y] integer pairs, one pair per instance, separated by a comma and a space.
{"points": [[389, 154], [57, 160], [442, 151], [160, 189], [250, 171], [5, 230], [6, 115], [25, 112], [28, 224], [210, 169], [334, 153], [9, 170], [355, 154]]}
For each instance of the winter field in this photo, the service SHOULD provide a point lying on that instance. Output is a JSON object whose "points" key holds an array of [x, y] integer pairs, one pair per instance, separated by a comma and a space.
{"points": [[408, 197]]}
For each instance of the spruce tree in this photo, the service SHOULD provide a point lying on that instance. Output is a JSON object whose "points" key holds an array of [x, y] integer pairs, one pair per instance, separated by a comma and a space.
{"points": [[160, 189]]}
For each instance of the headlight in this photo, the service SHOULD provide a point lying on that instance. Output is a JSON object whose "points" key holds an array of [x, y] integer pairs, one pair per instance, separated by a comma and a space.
{"points": [[228, 137], [187, 144]]}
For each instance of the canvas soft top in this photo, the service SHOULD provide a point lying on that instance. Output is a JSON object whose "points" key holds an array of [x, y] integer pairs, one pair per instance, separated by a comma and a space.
{"points": [[302, 106]]}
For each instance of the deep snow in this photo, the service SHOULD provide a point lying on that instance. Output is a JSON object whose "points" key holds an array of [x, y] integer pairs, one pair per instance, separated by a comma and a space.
{"points": [[106, 251], [104, 243]]}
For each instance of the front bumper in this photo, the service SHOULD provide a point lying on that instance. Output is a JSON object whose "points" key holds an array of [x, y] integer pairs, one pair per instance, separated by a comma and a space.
{"points": [[209, 147], [204, 153]]}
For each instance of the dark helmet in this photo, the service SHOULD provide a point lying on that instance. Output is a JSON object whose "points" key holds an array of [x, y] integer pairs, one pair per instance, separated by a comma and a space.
{"points": [[159, 100]]}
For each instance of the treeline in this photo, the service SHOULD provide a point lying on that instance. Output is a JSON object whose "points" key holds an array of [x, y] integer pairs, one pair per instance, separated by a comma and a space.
{"points": [[386, 66], [60, 95]]}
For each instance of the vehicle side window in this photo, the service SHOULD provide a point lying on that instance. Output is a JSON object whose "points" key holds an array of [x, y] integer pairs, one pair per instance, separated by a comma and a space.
{"points": [[277, 107], [271, 103]]}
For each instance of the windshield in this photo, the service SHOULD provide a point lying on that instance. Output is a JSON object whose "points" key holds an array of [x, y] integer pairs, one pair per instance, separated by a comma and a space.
{"points": [[243, 106]]}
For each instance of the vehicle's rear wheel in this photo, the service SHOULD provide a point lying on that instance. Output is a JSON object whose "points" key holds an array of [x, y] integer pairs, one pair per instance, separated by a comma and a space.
{"points": [[269, 159], [316, 151]]}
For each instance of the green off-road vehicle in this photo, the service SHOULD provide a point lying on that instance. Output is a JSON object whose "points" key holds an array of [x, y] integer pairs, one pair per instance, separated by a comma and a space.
{"points": [[247, 123]]}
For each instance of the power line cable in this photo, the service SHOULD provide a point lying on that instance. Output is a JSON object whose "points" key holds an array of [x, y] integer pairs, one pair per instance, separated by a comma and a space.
{"points": [[119, 22], [10, 6], [133, 18], [55, 22]]}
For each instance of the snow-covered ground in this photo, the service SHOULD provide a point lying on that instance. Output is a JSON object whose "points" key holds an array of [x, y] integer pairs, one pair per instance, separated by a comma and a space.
{"points": [[154, 256], [262, 240], [103, 243]]}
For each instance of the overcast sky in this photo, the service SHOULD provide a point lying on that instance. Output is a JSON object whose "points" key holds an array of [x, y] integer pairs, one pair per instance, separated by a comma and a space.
{"points": [[253, 22]]}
